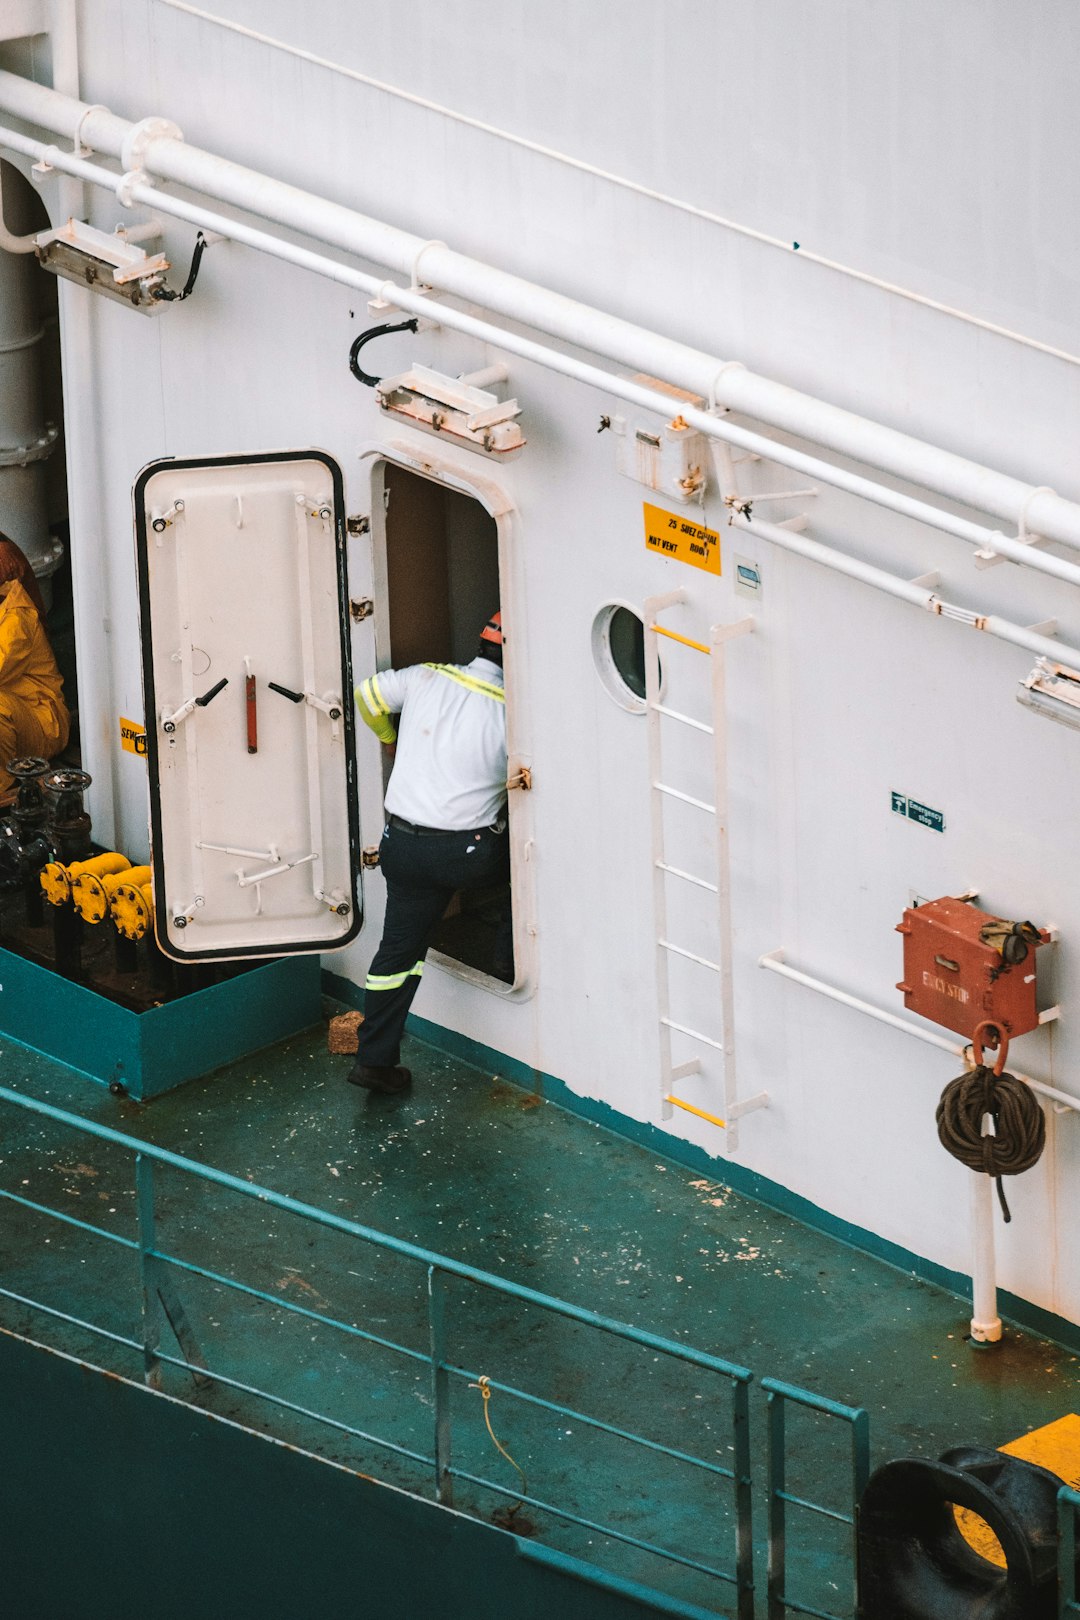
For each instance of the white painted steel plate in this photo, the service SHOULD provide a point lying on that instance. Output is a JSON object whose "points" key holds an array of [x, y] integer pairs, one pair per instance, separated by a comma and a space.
{"points": [[255, 831]]}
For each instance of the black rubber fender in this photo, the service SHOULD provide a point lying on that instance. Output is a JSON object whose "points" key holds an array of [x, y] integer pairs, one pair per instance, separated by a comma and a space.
{"points": [[914, 1564]]}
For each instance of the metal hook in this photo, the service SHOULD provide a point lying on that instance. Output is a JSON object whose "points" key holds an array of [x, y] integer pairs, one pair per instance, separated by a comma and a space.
{"points": [[1001, 1042]]}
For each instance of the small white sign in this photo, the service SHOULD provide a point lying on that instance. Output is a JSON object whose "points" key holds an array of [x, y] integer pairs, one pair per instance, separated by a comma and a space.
{"points": [[747, 577]]}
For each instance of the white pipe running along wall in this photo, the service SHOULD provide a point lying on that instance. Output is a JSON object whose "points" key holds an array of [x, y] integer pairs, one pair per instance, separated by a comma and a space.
{"points": [[415, 301], [907, 591], [133, 190], [157, 147]]}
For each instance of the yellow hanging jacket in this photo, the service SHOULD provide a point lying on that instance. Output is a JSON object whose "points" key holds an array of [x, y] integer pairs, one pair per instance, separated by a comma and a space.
{"points": [[28, 672]]}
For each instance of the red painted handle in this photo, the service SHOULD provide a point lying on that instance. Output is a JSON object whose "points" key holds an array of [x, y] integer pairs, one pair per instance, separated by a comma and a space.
{"points": [[252, 717]]}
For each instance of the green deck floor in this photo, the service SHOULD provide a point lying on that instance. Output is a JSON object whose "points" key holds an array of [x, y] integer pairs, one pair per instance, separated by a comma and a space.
{"points": [[471, 1166]]}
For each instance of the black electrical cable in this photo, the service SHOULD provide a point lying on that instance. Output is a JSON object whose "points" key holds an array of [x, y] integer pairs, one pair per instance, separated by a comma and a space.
{"points": [[1019, 1126], [366, 337], [166, 294]]}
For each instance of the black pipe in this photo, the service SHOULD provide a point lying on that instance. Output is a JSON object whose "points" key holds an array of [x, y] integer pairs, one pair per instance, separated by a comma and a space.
{"points": [[366, 337], [67, 941], [126, 953], [161, 967]]}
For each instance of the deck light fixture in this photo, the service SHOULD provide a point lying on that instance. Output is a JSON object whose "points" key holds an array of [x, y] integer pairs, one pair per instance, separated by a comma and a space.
{"points": [[1054, 691]]}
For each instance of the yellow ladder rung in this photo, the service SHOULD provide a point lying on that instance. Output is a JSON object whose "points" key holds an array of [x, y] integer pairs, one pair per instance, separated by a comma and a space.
{"points": [[673, 635], [713, 1119]]}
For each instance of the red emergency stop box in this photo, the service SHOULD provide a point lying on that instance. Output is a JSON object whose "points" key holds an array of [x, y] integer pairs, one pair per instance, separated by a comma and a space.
{"points": [[954, 977]]}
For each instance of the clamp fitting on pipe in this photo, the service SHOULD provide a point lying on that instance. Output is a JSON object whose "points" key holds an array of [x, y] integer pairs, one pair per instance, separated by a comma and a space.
{"points": [[415, 284], [141, 136], [126, 184], [1025, 538], [729, 365], [79, 147]]}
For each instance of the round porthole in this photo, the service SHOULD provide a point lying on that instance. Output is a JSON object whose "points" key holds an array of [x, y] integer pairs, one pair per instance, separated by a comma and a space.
{"points": [[618, 649]]}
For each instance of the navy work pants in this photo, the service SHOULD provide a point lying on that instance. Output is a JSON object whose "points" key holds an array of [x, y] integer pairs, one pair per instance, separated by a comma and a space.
{"points": [[423, 870]]}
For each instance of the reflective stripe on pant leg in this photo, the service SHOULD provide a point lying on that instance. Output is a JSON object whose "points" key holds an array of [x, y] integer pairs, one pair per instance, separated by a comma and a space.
{"points": [[413, 908], [392, 981]]}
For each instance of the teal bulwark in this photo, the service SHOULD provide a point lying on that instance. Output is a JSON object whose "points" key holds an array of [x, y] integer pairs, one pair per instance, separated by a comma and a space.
{"points": [[153, 1051], [201, 1516]]}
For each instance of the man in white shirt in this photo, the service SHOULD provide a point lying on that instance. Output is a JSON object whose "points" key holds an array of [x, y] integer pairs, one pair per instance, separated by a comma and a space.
{"points": [[445, 827]]}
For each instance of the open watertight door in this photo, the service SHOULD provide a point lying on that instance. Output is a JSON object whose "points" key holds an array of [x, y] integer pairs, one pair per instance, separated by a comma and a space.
{"points": [[248, 691]]}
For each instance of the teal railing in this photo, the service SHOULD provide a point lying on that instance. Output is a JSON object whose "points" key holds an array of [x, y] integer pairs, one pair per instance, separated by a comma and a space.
{"points": [[1068, 1501], [157, 1306], [780, 1603]]}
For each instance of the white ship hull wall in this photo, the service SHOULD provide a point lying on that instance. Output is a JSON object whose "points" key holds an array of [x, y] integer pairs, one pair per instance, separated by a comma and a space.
{"points": [[841, 695]]}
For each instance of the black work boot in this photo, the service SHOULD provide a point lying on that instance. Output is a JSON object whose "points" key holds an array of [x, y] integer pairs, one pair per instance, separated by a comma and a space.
{"points": [[378, 1077]]}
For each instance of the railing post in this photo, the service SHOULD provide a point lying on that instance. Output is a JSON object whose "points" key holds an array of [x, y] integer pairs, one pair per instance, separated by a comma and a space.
{"points": [[858, 1419], [1067, 1503], [149, 1269], [744, 1529], [860, 1475], [776, 1485], [440, 1383]]}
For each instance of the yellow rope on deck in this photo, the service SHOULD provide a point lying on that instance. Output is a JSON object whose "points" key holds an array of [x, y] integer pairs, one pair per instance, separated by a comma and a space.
{"points": [[483, 1385]]}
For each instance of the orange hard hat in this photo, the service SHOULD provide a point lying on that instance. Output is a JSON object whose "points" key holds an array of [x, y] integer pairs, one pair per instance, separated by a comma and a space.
{"points": [[492, 631]]}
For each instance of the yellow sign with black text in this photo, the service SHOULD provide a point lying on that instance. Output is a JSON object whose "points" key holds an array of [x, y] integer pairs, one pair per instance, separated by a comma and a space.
{"points": [[674, 536], [132, 736]]}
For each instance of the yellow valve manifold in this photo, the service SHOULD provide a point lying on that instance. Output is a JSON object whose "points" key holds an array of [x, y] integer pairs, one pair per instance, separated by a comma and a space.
{"points": [[106, 885], [57, 879], [92, 892], [132, 904]]}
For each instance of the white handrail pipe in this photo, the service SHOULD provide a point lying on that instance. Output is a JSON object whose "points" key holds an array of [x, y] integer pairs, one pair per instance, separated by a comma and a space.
{"points": [[905, 591], [774, 961]]}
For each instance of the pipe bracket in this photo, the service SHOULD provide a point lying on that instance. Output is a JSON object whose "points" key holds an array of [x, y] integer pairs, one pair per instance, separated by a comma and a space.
{"points": [[79, 147], [415, 284], [729, 365], [1025, 537]]}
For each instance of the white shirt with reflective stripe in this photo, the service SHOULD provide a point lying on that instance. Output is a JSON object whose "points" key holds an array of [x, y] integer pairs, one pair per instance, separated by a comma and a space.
{"points": [[450, 765]]}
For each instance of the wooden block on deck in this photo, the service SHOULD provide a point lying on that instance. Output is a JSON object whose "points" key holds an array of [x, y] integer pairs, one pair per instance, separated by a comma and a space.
{"points": [[343, 1032]]}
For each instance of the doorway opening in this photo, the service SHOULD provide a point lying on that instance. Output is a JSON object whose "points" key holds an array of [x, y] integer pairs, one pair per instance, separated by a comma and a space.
{"points": [[442, 585]]}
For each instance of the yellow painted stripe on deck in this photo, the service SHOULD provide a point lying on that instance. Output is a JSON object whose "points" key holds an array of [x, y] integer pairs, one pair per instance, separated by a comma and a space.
{"points": [[713, 1119], [1055, 1446]]}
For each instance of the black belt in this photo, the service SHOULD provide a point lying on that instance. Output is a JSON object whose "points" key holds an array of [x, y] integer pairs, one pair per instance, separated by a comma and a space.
{"points": [[413, 827], [434, 832]]}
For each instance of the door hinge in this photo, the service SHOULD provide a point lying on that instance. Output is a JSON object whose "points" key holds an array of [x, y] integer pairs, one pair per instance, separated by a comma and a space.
{"points": [[361, 608], [359, 523]]}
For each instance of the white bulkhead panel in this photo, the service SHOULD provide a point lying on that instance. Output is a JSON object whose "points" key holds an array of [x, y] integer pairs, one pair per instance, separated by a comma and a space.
{"points": [[248, 693]]}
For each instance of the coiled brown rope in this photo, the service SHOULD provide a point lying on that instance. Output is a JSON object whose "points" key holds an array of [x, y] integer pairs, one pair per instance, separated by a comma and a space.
{"points": [[1019, 1128]]}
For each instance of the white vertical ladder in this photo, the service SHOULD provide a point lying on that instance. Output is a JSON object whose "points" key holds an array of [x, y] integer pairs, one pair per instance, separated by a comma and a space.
{"points": [[662, 869]]}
